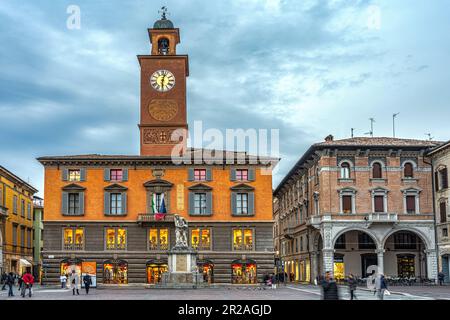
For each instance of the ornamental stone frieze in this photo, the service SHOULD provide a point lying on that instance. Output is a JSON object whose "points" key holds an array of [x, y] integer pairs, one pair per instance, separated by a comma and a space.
{"points": [[158, 136]]}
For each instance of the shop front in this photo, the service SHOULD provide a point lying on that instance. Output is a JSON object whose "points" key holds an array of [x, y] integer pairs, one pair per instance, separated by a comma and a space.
{"points": [[206, 267], [244, 272], [155, 269], [115, 272], [339, 267]]}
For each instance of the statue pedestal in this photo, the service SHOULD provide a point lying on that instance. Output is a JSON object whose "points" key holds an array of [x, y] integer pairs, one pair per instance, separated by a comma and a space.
{"points": [[182, 271]]}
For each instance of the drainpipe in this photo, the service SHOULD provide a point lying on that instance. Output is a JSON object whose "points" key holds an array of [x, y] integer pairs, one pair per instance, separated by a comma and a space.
{"points": [[434, 213]]}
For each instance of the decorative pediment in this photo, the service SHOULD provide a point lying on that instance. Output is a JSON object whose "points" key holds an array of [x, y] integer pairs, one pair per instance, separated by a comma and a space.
{"points": [[73, 187], [242, 187], [411, 190], [158, 183], [115, 187], [379, 190], [347, 190], [200, 187]]}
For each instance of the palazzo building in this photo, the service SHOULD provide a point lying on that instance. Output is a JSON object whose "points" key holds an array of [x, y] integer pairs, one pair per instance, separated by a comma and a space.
{"points": [[440, 157], [16, 223], [354, 203], [100, 209]]}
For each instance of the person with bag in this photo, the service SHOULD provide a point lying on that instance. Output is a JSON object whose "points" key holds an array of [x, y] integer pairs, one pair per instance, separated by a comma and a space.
{"points": [[75, 282], [381, 286], [27, 283], [87, 280]]}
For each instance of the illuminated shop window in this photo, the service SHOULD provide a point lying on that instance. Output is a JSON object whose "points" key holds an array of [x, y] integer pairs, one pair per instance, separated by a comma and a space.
{"points": [[243, 239], [115, 272], [155, 271], [74, 175], [158, 239], [116, 238], [243, 272], [73, 238], [201, 239]]}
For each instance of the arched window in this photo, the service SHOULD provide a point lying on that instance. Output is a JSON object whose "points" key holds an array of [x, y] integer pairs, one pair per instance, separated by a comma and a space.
{"points": [[408, 170], [345, 170], [376, 170]]}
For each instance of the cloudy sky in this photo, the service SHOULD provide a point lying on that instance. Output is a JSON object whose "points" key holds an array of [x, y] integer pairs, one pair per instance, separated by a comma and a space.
{"points": [[308, 68]]}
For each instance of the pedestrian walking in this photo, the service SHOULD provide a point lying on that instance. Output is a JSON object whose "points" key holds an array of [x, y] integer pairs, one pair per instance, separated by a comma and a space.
{"points": [[274, 281], [27, 283], [329, 288], [63, 280], [441, 277], [75, 282], [87, 280], [352, 284], [10, 283], [381, 286], [19, 283]]}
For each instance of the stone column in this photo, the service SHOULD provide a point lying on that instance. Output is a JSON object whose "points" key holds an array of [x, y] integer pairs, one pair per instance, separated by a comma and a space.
{"points": [[314, 265], [431, 264], [380, 260], [328, 260]]}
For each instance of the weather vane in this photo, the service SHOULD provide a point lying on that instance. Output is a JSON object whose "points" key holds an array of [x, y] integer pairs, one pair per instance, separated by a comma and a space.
{"points": [[163, 12]]}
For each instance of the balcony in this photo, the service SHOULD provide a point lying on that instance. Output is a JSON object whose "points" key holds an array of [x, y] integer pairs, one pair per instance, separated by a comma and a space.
{"points": [[150, 217], [382, 217], [3, 212], [288, 233]]}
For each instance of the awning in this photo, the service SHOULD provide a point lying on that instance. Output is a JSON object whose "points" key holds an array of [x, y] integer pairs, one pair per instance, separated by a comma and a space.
{"points": [[24, 262]]}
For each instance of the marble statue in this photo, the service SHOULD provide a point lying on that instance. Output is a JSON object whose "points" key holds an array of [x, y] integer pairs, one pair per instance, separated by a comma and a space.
{"points": [[181, 232]]}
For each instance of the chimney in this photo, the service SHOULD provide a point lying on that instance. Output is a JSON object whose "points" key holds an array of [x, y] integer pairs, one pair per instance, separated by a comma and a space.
{"points": [[329, 138]]}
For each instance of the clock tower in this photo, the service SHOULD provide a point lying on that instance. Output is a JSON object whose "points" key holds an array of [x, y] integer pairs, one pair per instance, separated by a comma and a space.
{"points": [[163, 121]]}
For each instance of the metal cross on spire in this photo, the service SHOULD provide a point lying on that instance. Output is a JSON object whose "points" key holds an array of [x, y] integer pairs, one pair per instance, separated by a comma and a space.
{"points": [[163, 12]]}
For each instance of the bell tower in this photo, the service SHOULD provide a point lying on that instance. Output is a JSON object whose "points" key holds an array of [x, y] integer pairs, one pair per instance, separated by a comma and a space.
{"points": [[163, 121]]}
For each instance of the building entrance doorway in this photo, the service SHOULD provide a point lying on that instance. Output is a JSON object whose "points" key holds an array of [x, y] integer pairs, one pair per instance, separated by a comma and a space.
{"points": [[155, 271], [368, 260], [243, 272], [115, 272], [206, 268]]}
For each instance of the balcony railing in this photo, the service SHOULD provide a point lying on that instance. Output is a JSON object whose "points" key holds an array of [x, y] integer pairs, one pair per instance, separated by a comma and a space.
{"points": [[202, 246], [73, 246], [158, 247], [243, 247], [150, 217], [114, 246], [382, 217]]}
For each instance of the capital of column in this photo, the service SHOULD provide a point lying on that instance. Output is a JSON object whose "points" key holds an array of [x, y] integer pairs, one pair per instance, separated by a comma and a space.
{"points": [[328, 251], [430, 251], [380, 251]]}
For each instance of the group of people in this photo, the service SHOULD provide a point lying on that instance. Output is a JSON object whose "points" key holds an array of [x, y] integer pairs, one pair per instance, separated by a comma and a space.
{"points": [[24, 282], [75, 282], [375, 283]]}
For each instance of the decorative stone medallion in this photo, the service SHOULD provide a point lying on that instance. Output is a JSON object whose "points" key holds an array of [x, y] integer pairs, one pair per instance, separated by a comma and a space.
{"points": [[163, 109]]}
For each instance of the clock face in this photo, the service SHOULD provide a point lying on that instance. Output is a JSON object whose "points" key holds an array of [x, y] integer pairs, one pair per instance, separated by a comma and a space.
{"points": [[162, 80]]}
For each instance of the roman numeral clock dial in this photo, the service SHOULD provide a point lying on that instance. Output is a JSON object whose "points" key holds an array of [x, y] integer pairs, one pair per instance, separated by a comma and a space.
{"points": [[162, 80]]}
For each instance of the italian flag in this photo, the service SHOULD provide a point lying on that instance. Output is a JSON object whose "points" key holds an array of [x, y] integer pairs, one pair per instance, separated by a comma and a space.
{"points": [[159, 208]]}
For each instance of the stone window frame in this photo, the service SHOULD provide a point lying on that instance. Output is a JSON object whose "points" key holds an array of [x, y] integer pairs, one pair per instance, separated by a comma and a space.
{"points": [[379, 191], [200, 188], [414, 168], [73, 244], [316, 197], [115, 189], [347, 192], [446, 204], [411, 192], [251, 201], [158, 186], [383, 170], [73, 188], [351, 169]]}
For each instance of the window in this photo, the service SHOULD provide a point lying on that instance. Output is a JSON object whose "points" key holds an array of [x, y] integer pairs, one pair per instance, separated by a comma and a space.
{"points": [[200, 174], [378, 203], [443, 178], [347, 204], [201, 239], [410, 204], [115, 201], [29, 211], [73, 238], [74, 203], [22, 236], [22, 208], [242, 174], [158, 239], [242, 203], [445, 232], [116, 175], [29, 238], [243, 239], [15, 204], [408, 170], [200, 203], [317, 172], [365, 241], [377, 171], [443, 211], [116, 238], [345, 170], [14, 234], [340, 242], [405, 241], [74, 174]]}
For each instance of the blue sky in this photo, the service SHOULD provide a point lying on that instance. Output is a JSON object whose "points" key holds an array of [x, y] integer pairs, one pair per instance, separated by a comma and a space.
{"points": [[308, 68]]}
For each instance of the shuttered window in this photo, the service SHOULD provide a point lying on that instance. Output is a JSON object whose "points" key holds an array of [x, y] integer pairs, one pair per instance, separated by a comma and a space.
{"points": [[443, 211], [436, 181], [379, 203], [376, 171], [411, 204], [408, 170], [347, 206], [74, 203], [444, 178], [200, 203]]}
